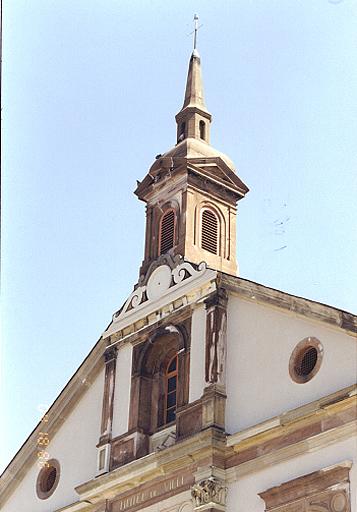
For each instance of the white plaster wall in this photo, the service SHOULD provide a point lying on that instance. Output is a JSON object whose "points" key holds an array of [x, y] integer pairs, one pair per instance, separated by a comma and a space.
{"points": [[197, 356], [74, 446], [243, 494], [260, 340], [122, 391]]}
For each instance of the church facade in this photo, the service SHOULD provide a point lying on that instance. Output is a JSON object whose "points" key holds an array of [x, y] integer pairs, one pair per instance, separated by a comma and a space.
{"points": [[206, 392]]}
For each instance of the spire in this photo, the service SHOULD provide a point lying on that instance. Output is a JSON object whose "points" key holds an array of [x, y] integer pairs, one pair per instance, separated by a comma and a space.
{"points": [[194, 96], [193, 120]]}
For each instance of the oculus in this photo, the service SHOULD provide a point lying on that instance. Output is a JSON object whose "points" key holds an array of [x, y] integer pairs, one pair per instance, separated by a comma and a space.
{"points": [[305, 360], [48, 479]]}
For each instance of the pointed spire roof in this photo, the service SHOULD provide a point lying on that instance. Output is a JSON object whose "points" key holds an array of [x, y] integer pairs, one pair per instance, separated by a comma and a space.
{"points": [[193, 120], [194, 96]]}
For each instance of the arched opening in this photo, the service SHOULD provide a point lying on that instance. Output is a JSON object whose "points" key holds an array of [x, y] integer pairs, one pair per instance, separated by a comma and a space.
{"points": [[171, 376], [202, 127], [182, 132], [167, 231], [210, 231], [160, 379]]}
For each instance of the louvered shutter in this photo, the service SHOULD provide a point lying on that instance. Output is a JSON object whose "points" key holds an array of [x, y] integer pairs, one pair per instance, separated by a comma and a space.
{"points": [[167, 231], [209, 233]]}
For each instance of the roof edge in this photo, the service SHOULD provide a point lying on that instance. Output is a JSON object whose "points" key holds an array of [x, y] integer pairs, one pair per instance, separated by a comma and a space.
{"points": [[58, 412], [319, 311]]}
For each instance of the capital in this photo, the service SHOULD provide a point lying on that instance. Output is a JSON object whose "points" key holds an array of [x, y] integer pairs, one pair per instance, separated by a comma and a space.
{"points": [[209, 493]]}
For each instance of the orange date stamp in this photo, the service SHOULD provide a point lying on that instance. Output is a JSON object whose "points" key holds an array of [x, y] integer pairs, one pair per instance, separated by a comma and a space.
{"points": [[43, 439]]}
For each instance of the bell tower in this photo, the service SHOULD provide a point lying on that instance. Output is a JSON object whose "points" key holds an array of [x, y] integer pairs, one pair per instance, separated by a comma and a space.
{"points": [[191, 191]]}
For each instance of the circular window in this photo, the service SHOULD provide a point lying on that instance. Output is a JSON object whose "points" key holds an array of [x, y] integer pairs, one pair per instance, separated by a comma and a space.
{"points": [[47, 479], [305, 361]]}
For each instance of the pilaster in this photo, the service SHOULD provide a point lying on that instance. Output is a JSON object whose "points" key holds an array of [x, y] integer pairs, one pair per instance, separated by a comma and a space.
{"points": [[110, 357]]}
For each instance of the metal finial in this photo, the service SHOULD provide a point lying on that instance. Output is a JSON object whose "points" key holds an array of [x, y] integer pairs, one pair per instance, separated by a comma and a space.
{"points": [[195, 19]]}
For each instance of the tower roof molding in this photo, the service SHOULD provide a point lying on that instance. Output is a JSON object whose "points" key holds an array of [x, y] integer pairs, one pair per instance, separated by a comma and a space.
{"points": [[199, 157], [191, 148]]}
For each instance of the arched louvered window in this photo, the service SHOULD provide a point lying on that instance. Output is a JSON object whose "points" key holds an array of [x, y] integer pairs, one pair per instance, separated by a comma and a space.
{"points": [[167, 231], [170, 390], [210, 231]]}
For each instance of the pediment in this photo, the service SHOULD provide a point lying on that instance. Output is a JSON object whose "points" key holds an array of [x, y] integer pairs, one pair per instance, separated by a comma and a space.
{"points": [[213, 168], [218, 171]]}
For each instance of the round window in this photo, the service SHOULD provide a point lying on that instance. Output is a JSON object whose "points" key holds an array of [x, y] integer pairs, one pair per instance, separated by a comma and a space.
{"points": [[305, 361], [47, 479]]}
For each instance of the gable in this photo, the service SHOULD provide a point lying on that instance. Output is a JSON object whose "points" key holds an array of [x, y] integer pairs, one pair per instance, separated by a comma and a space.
{"points": [[260, 342], [73, 446]]}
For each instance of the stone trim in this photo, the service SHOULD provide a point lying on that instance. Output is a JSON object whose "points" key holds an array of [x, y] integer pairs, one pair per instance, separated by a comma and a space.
{"points": [[328, 488], [189, 419], [110, 357], [183, 456], [127, 448], [150, 358], [315, 423], [152, 492], [216, 338], [332, 402]]}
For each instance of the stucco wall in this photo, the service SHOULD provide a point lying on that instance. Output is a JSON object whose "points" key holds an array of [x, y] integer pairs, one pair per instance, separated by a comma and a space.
{"points": [[260, 342], [243, 494], [197, 356], [122, 391], [74, 446]]}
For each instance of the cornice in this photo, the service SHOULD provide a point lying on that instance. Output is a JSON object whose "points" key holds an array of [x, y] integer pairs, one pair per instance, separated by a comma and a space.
{"points": [[180, 456], [333, 403], [307, 308], [308, 428], [315, 443]]}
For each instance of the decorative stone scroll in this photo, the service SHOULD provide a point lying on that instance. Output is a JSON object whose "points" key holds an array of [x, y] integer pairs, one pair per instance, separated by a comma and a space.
{"points": [[209, 493], [158, 280]]}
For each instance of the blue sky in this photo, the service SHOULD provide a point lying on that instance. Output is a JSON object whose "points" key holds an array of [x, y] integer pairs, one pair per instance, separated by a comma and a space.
{"points": [[90, 91]]}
